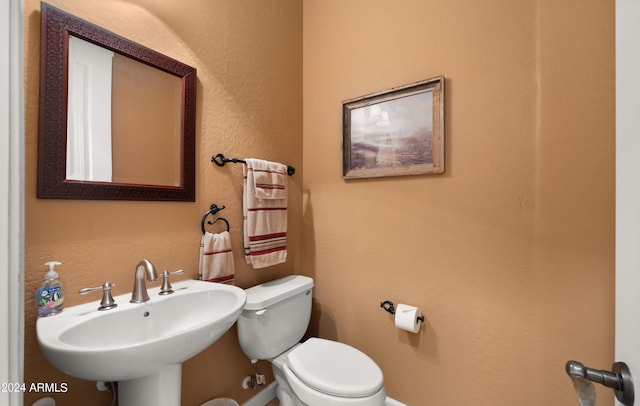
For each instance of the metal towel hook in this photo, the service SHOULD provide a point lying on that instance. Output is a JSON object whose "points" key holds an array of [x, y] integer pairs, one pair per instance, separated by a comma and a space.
{"points": [[619, 378]]}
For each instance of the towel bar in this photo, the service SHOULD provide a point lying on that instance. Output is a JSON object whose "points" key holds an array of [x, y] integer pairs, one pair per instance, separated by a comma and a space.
{"points": [[220, 160]]}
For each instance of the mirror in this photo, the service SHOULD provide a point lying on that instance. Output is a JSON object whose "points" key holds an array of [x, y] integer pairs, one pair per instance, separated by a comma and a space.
{"points": [[138, 143]]}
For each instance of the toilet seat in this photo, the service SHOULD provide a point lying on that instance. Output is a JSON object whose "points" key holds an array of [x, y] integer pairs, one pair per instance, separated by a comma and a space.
{"points": [[322, 371]]}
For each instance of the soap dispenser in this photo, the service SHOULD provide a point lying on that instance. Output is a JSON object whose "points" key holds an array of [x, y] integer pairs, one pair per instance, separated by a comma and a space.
{"points": [[50, 297]]}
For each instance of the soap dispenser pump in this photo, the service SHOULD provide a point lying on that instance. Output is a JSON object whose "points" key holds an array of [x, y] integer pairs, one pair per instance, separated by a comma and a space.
{"points": [[50, 297]]}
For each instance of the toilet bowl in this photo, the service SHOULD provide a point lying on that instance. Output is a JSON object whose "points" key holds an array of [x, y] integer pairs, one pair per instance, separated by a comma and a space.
{"points": [[316, 372], [324, 372]]}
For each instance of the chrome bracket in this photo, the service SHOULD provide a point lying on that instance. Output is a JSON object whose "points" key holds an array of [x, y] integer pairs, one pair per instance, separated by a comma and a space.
{"points": [[619, 379]]}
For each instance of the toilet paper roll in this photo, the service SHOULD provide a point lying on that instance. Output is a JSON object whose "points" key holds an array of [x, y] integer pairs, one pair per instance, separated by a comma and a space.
{"points": [[407, 318]]}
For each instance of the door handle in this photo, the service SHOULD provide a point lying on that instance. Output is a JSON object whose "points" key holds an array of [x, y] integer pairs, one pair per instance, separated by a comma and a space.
{"points": [[619, 378]]}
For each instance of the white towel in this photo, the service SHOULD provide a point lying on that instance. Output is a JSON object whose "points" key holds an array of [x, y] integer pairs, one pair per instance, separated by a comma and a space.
{"points": [[265, 212], [269, 180], [216, 258]]}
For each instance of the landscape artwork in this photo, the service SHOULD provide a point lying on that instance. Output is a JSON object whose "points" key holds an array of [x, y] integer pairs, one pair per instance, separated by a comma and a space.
{"points": [[399, 132]]}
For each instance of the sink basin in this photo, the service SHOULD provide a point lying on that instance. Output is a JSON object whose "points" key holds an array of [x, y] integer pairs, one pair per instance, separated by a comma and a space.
{"points": [[137, 341]]}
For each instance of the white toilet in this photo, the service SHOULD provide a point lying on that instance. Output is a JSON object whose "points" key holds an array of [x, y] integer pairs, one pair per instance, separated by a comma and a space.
{"points": [[317, 372]]}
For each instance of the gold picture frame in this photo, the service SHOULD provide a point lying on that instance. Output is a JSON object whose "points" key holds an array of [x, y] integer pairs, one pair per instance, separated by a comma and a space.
{"points": [[395, 132]]}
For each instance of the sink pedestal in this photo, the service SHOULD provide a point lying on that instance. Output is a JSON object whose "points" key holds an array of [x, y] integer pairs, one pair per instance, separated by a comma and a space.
{"points": [[159, 389]]}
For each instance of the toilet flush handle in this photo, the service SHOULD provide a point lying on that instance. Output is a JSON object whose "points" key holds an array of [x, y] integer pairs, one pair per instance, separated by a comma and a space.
{"points": [[261, 312]]}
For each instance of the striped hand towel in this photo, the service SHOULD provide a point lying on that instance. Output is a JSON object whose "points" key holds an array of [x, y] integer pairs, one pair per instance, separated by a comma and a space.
{"points": [[265, 212], [216, 258]]}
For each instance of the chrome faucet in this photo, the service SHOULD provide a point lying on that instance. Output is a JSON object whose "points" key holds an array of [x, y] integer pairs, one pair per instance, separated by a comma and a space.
{"points": [[139, 294]]}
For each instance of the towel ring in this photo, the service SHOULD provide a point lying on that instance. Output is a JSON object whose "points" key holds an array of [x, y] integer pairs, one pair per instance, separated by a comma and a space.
{"points": [[213, 210], [215, 221]]}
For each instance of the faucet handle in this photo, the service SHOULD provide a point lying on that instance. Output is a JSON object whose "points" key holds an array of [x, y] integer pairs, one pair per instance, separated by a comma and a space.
{"points": [[107, 301], [166, 288]]}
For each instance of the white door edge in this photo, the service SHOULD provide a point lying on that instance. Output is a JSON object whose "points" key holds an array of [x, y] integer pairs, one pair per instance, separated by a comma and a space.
{"points": [[627, 322], [11, 198]]}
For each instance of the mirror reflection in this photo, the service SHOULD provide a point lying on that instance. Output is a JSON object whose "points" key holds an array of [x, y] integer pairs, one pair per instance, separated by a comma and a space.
{"points": [[117, 107]]}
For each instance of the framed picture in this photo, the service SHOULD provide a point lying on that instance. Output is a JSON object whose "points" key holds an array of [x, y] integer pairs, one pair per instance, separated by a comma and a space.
{"points": [[395, 132]]}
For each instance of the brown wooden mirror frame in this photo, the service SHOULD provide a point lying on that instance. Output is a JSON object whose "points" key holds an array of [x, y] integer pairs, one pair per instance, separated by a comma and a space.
{"points": [[56, 27]]}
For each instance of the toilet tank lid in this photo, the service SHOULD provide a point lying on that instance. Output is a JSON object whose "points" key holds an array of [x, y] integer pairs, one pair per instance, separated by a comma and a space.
{"points": [[264, 295]]}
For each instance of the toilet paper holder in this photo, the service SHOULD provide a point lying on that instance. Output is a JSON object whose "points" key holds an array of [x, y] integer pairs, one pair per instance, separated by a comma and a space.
{"points": [[390, 307]]}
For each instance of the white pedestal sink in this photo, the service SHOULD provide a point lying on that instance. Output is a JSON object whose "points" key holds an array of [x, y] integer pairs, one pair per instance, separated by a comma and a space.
{"points": [[141, 346]]}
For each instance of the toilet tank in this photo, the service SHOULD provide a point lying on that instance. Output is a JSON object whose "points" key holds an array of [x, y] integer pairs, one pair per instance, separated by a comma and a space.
{"points": [[275, 316]]}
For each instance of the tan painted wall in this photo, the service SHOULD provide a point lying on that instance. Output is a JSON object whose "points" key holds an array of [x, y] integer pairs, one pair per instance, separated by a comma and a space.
{"points": [[510, 253], [575, 189], [249, 103]]}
